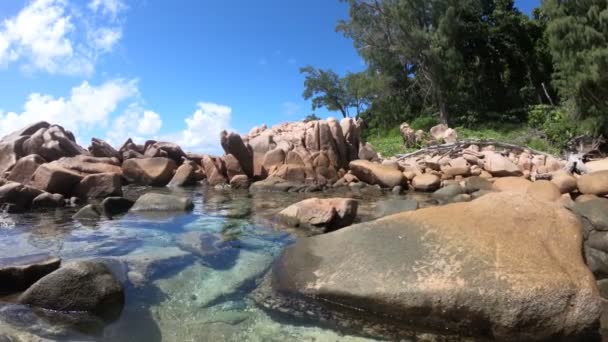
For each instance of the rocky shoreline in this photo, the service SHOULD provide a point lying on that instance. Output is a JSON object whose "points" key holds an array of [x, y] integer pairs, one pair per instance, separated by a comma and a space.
{"points": [[518, 249]]}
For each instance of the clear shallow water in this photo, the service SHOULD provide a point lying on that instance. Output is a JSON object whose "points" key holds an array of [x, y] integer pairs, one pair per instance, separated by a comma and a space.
{"points": [[174, 292]]}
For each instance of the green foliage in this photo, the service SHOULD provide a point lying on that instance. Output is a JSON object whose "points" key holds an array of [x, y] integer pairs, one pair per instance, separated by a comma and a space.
{"points": [[558, 125], [577, 35], [481, 65], [311, 117], [424, 123], [327, 89], [386, 142]]}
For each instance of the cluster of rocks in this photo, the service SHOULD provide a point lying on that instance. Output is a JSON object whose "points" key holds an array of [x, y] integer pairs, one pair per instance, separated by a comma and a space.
{"points": [[437, 135], [315, 152], [42, 166]]}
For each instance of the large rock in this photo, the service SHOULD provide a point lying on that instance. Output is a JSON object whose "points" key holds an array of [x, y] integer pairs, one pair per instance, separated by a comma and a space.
{"points": [[84, 286], [240, 182], [99, 185], [149, 171], [112, 206], [595, 183], [100, 148], [232, 143], [90, 165], [597, 165], [504, 267], [565, 182], [321, 214], [24, 169], [213, 171], [162, 202], [11, 146], [165, 149], [47, 200], [53, 178], [511, 184], [233, 167], [544, 190], [500, 166], [373, 173], [18, 196], [17, 274], [426, 182], [185, 175]]}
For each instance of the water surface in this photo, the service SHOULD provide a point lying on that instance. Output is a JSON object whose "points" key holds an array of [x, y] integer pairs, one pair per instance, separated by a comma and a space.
{"points": [[174, 291]]}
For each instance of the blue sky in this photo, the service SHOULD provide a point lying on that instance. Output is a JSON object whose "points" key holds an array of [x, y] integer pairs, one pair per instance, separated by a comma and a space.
{"points": [[178, 70]]}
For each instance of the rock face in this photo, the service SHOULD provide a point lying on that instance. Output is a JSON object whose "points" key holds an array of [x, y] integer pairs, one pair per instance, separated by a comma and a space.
{"points": [[17, 274], [185, 175], [99, 185], [162, 202], [100, 148], [24, 169], [78, 286], [51, 142], [149, 171], [53, 178], [473, 269], [544, 191], [233, 144], [512, 184], [313, 152], [595, 183], [321, 214], [373, 173]]}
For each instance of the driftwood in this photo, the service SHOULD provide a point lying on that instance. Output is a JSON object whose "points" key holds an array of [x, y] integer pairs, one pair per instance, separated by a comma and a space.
{"points": [[447, 149]]}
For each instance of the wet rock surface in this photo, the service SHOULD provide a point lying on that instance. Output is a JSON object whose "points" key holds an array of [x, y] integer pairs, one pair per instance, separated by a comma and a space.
{"points": [[452, 262]]}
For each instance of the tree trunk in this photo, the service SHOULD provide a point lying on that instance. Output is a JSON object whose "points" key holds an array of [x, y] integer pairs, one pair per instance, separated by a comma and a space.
{"points": [[444, 114]]}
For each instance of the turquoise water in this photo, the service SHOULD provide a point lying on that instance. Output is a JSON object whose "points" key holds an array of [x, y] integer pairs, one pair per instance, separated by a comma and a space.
{"points": [[187, 276]]}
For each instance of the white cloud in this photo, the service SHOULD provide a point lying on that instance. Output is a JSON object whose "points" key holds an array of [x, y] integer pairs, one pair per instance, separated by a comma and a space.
{"points": [[105, 38], [135, 123], [204, 126], [87, 107], [107, 7], [55, 37]]}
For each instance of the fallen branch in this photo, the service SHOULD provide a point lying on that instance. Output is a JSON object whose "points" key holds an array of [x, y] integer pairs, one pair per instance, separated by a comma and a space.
{"points": [[465, 143]]}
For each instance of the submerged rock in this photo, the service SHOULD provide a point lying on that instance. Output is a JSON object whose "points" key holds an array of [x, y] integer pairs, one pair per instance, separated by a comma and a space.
{"points": [[113, 206], [467, 269], [395, 206], [321, 214], [162, 202], [78, 286], [17, 274], [88, 212]]}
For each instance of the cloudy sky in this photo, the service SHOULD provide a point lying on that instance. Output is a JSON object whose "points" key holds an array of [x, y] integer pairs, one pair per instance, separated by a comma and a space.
{"points": [[172, 70]]}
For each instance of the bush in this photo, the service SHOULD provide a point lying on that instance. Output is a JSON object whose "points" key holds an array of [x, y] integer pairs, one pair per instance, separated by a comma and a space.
{"points": [[424, 123], [559, 125]]}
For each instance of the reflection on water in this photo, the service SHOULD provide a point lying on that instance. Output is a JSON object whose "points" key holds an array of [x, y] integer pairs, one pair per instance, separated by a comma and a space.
{"points": [[187, 276]]}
